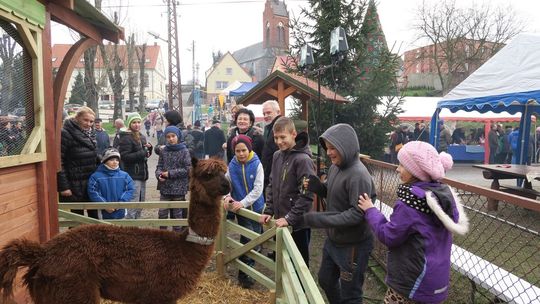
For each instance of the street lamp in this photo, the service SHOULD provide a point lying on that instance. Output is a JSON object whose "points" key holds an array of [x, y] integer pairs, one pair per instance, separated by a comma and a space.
{"points": [[338, 48]]}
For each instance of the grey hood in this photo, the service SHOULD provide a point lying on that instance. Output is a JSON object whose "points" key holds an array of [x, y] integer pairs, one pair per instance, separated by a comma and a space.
{"points": [[343, 137]]}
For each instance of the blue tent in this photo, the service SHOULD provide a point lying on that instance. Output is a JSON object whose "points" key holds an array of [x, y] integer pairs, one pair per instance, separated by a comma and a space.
{"points": [[508, 82], [243, 89]]}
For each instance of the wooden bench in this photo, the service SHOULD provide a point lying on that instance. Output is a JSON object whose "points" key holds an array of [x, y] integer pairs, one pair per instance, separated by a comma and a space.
{"points": [[499, 282], [525, 192]]}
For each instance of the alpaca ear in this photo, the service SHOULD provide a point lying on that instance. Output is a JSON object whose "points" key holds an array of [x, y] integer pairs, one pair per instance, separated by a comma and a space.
{"points": [[194, 162]]}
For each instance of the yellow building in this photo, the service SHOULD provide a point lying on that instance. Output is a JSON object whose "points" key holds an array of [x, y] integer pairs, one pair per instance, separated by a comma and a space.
{"points": [[224, 72]]}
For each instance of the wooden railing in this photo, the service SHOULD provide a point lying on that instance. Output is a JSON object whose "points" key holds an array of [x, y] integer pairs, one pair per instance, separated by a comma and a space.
{"points": [[288, 278]]}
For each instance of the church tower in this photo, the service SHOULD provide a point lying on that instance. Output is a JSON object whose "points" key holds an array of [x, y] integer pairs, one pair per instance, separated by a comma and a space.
{"points": [[275, 25]]}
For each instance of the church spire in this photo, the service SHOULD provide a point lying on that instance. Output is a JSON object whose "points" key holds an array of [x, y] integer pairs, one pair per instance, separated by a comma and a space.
{"points": [[275, 25]]}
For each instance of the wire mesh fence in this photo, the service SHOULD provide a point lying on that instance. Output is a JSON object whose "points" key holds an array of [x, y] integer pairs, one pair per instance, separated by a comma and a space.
{"points": [[16, 94], [498, 260]]}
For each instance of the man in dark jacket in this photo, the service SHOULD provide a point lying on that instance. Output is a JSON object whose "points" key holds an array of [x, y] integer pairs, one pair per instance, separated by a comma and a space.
{"points": [[102, 138], [271, 113], [284, 200], [350, 241], [195, 140], [214, 140]]}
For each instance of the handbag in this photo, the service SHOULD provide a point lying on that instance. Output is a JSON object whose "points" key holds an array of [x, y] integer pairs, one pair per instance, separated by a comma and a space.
{"points": [[398, 147]]}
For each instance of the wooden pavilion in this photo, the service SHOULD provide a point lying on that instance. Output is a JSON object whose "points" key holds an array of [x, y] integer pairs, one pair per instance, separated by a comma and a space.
{"points": [[28, 195], [281, 84]]}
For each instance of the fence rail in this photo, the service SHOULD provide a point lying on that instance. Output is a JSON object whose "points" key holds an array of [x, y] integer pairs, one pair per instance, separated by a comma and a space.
{"points": [[498, 259], [288, 278]]}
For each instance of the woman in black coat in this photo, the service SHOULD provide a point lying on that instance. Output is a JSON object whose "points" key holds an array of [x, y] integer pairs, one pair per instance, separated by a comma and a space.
{"points": [[78, 158], [134, 153], [244, 121]]}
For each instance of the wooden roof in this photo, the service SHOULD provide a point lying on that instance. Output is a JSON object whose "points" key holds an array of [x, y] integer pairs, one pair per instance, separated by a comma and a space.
{"points": [[295, 85]]}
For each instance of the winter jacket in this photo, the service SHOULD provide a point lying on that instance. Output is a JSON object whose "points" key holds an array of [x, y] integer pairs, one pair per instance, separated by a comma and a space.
{"points": [[247, 182], [79, 160], [254, 133], [134, 155], [419, 242], [283, 196], [195, 142], [343, 220], [214, 138], [107, 185], [177, 164], [103, 141], [269, 148]]}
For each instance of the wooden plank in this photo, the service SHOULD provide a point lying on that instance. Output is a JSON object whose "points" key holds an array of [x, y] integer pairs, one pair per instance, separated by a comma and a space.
{"points": [[312, 290], [144, 205], [287, 292], [25, 178], [25, 219], [290, 272], [279, 263], [256, 256], [16, 213], [17, 199], [235, 253], [29, 231], [154, 223], [28, 39], [17, 160], [80, 218], [256, 275]]}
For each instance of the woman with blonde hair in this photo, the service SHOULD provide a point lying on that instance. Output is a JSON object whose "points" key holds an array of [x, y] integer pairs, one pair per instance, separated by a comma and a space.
{"points": [[78, 158]]}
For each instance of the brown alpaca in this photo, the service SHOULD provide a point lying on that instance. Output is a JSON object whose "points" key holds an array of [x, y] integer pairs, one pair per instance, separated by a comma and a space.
{"points": [[124, 264]]}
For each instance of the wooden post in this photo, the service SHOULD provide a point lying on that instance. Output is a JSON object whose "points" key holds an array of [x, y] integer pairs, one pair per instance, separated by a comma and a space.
{"points": [[279, 262]]}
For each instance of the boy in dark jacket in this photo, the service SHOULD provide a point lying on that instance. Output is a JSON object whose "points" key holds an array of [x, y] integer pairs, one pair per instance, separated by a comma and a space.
{"points": [[110, 184], [284, 200], [349, 239]]}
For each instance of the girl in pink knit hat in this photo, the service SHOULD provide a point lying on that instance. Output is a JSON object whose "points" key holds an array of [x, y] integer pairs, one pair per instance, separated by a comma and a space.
{"points": [[419, 232]]}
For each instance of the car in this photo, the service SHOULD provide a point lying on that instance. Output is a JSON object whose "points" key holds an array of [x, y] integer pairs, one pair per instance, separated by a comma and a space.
{"points": [[153, 104], [72, 107]]}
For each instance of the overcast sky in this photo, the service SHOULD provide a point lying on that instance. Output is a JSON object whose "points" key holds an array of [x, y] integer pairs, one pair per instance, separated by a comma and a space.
{"points": [[229, 25]]}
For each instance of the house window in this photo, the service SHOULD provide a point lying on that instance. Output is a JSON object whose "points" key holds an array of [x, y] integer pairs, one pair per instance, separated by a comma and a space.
{"points": [[146, 80], [220, 85], [281, 32], [228, 71]]}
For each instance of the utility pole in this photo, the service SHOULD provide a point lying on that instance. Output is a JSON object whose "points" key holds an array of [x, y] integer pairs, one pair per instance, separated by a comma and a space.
{"points": [[175, 84]]}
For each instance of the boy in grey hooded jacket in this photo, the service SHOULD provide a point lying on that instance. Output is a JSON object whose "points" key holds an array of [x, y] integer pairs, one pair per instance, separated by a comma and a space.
{"points": [[350, 241]]}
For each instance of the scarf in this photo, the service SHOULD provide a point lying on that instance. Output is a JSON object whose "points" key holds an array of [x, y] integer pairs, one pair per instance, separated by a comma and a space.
{"points": [[405, 194], [175, 147]]}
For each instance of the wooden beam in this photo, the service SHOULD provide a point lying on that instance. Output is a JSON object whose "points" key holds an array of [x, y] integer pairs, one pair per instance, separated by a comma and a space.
{"points": [[271, 91], [289, 91], [70, 19], [281, 95], [28, 39], [47, 182], [69, 4], [305, 110]]}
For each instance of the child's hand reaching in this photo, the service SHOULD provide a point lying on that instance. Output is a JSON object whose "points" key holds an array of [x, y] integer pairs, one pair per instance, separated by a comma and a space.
{"points": [[364, 202]]}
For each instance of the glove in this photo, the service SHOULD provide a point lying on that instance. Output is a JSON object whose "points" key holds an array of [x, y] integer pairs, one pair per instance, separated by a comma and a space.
{"points": [[316, 186]]}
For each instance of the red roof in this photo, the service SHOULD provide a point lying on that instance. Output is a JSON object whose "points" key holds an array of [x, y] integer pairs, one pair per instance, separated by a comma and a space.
{"points": [[59, 51]]}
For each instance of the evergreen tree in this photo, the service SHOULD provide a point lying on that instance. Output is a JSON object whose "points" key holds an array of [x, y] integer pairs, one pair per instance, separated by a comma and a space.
{"points": [[78, 90], [366, 76]]}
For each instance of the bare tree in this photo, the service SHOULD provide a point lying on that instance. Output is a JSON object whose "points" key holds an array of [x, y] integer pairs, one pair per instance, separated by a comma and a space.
{"points": [[131, 76], [462, 39], [90, 84], [141, 57]]}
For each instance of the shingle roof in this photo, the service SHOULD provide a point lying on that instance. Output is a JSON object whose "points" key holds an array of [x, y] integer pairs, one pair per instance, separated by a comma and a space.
{"points": [[279, 8], [252, 52]]}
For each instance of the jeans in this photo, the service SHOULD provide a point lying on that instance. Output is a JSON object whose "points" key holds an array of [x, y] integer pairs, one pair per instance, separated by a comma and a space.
{"points": [[341, 275], [174, 213], [138, 196]]}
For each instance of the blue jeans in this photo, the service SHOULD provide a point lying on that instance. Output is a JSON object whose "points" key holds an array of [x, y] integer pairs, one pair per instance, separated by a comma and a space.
{"points": [[138, 196], [341, 275]]}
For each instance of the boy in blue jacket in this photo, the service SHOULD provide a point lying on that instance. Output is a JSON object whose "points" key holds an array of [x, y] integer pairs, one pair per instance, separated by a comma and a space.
{"points": [[110, 184]]}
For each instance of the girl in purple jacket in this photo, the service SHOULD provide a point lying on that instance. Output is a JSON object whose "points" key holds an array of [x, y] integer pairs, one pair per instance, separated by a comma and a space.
{"points": [[419, 233]]}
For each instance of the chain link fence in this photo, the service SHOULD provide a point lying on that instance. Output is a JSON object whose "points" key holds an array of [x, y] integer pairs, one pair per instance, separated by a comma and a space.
{"points": [[16, 93], [498, 261]]}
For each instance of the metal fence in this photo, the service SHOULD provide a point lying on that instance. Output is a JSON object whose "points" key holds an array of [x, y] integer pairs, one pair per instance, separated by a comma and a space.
{"points": [[498, 260]]}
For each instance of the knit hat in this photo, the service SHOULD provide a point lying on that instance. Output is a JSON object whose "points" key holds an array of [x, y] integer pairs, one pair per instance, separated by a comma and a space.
{"points": [[132, 117], [423, 162], [175, 130], [173, 117], [242, 139], [197, 123], [110, 153]]}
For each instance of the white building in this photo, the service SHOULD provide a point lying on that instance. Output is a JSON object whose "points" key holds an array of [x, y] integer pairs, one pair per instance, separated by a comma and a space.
{"points": [[155, 79]]}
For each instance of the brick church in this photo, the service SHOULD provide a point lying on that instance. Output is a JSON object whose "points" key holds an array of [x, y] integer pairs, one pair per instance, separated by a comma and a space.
{"points": [[258, 59]]}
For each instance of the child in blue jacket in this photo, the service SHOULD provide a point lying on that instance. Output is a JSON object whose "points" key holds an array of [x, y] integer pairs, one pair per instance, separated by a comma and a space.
{"points": [[110, 184], [247, 179]]}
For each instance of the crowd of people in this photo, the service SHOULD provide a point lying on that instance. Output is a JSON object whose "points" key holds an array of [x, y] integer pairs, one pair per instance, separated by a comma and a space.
{"points": [[272, 173], [12, 136]]}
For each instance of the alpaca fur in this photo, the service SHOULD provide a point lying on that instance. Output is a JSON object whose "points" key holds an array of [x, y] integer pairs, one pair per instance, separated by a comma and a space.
{"points": [[126, 264]]}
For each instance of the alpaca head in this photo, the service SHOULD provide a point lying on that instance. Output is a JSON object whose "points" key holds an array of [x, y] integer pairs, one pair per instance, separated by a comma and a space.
{"points": [[207, 178]]}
